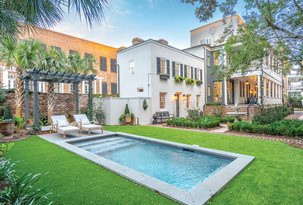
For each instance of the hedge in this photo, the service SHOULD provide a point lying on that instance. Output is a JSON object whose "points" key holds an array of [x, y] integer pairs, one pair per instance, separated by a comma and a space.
{"points": [[202, 122], [270, 115], [290, 128]]}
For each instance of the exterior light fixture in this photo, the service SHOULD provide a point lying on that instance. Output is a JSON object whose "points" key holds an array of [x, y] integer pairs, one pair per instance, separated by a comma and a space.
{"points": [[184, 97]]}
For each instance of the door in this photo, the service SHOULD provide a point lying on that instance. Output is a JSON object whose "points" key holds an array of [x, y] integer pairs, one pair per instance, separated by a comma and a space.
{"points": [[177, 97]]}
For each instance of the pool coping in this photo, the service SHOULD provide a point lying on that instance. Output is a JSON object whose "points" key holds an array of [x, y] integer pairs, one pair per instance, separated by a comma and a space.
{"points": [[202, 193]]}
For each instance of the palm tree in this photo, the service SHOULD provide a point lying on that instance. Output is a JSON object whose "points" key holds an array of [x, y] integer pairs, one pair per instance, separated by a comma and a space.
{"points": [[46, 13], [55, 61], [83, 65], [21, 55]]}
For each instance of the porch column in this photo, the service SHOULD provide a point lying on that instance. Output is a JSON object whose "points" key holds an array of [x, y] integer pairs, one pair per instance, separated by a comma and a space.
{"points": [[225, 91], [77, 96], [269, 89], [260, 89], [36, 106], [26, 100], [90, 100]]}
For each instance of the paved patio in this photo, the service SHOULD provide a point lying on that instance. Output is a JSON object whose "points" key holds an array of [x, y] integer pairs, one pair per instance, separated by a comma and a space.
{"points": [[57, 138]]}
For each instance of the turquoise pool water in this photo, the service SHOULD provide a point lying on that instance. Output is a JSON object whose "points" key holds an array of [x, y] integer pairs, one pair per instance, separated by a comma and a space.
{"points": [[179, 167]]}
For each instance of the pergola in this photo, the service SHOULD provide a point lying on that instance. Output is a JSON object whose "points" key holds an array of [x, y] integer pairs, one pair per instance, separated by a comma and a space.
{"points": [[37, 75]]}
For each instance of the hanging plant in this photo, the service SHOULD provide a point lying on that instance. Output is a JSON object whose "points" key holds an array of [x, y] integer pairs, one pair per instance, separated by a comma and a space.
{"points": [[145, 105]]}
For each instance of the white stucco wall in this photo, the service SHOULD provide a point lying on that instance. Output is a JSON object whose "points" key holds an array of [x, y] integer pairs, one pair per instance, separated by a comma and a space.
{"points": [[145, 57]]}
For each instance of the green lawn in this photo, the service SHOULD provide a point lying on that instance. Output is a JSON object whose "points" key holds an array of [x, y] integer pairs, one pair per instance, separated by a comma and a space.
{"points": [[275, 176]]}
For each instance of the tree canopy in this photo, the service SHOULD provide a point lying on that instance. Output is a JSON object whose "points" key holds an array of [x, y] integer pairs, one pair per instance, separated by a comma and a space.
{"points": [[280, 23]]}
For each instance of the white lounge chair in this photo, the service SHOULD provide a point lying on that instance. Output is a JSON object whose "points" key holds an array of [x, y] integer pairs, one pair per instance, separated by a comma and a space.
{"points": [[84, 124], [61, 125]]}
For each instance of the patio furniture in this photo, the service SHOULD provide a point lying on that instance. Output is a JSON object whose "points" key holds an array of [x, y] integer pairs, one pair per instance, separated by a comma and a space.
{"points": [[162, 116], [84, 124], [61, 125]]}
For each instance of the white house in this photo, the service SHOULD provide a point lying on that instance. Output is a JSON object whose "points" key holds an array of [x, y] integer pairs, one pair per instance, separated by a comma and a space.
{"points": [[262, 85], [151, 69]]}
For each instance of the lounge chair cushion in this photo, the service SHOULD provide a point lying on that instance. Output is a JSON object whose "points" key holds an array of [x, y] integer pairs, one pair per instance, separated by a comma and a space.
{"points": [[62, 123], [68, 129], [91, 127], [85, 121]]}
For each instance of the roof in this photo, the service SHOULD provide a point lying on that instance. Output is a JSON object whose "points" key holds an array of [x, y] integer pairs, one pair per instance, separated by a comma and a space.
{"points": [[159, 44], [218, 21]]}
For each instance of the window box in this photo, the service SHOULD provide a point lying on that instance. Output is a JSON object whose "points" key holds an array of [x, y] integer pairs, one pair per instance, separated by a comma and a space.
{"points": [[189, 81], [199, 82], [178, 79], [164, 76]]}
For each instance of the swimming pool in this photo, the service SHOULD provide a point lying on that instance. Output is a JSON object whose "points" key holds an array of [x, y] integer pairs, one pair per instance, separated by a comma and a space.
{"points": [[185, 173]]}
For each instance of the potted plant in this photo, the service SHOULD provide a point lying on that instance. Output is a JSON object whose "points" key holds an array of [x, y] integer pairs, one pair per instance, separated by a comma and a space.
{"points": [[145, 106], [189, 81], [178, 79], [7, 126], [164, 76], [199, 82], [127, 117]]}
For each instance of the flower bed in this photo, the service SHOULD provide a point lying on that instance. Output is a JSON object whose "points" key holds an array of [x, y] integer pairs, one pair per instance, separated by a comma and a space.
{"points": [[290, 128]]}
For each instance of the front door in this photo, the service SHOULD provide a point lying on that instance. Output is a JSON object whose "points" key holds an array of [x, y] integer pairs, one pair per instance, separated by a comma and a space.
{"points": [[177, 97]]}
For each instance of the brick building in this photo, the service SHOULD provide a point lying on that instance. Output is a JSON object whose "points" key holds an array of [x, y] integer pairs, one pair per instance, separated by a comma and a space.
{"points": [[105, 65]]}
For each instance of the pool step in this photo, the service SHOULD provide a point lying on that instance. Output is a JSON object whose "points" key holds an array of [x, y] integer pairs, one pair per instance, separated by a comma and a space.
{"points": [[99, 141], [99, 146], [100, 150]]}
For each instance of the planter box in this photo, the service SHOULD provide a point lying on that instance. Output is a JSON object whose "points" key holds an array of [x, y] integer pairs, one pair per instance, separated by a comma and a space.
{"points": [[7, 128], [164, 76], [199, 82]]}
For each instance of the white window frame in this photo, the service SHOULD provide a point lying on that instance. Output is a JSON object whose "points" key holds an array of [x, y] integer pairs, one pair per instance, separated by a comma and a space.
{"points": [[131, 66], [162, 101]]}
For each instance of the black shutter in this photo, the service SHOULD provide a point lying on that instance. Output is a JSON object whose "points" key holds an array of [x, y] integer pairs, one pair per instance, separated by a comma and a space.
{"points": [[173, 68], [103, 66], [201, 75], [192, 72], [113, 65], [196, 76], [104, 88], [158, 65], [185, 71], [168, 67], [114, 88], [181, 70]]}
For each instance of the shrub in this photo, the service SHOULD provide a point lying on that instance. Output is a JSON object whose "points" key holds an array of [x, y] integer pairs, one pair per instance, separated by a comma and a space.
{"points": [[229, 119], [2, 96], [209, 122], [290, 128], [194, 113], [19, 122], [126, 110], [99, 114], [269, 115], [145, 105], [202, 122], [214, 103]]}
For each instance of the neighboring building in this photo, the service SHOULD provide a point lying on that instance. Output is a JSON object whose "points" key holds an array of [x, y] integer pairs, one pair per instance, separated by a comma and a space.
{"points": [[105, 56], [148, 70], [295, 82], [262, 86]]}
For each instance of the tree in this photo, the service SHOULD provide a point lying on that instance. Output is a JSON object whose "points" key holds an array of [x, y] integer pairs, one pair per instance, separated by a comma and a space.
{"points": [[77, 64], [278, 22], [21, 55], [55, 61], [46, 13]]}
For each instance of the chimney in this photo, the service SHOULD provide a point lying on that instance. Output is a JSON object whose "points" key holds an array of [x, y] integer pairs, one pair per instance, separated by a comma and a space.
{"points": [[163, 41], [137, 40], [121, 48]]}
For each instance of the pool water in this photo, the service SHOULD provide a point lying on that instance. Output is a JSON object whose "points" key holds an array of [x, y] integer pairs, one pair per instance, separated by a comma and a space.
{"points": [[179, 167]]}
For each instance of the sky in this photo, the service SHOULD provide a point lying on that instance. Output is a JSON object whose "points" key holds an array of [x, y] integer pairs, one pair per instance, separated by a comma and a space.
{"points": [[126, 19]]}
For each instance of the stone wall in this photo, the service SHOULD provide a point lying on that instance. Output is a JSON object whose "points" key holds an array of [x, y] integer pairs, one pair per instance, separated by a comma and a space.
{"points": [[250, 110], [64, 103]]}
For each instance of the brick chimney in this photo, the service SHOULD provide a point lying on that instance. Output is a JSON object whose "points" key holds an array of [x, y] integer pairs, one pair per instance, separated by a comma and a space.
{"points": [[137, 40], [163, 41]]}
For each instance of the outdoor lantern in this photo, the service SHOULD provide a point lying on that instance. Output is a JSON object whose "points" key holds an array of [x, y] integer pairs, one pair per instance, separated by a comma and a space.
{"points": [[183, 97], [246, 82], [175, 97]]}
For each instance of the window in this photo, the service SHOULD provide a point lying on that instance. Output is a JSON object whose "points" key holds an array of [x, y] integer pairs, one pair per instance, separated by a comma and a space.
{"points": [[71, 88], [188, 98], [177, 69], [217, 91], [114, 88], [140, 90], [162, 100], [163, 66], [57, 87], [132, 67], [104, 88], [89, 59], [208, 61], [56, 48], [198, 100], [11, 80], [41, 87], [103, 66], [85, 87], [188, 71], [71, 52], [208, 91], [216, 57], [113, 65]]}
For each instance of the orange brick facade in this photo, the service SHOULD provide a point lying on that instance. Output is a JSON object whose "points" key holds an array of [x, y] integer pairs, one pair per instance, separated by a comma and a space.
{"points": [[69, 43]]}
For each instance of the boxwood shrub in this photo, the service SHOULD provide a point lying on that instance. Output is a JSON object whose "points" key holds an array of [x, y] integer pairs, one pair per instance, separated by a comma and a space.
{"points": [[290, 128], [202, 122], [270, 115]]}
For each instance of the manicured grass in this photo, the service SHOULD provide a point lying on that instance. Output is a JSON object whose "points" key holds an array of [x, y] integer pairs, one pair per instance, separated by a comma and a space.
{"points": [[275, 176]]}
